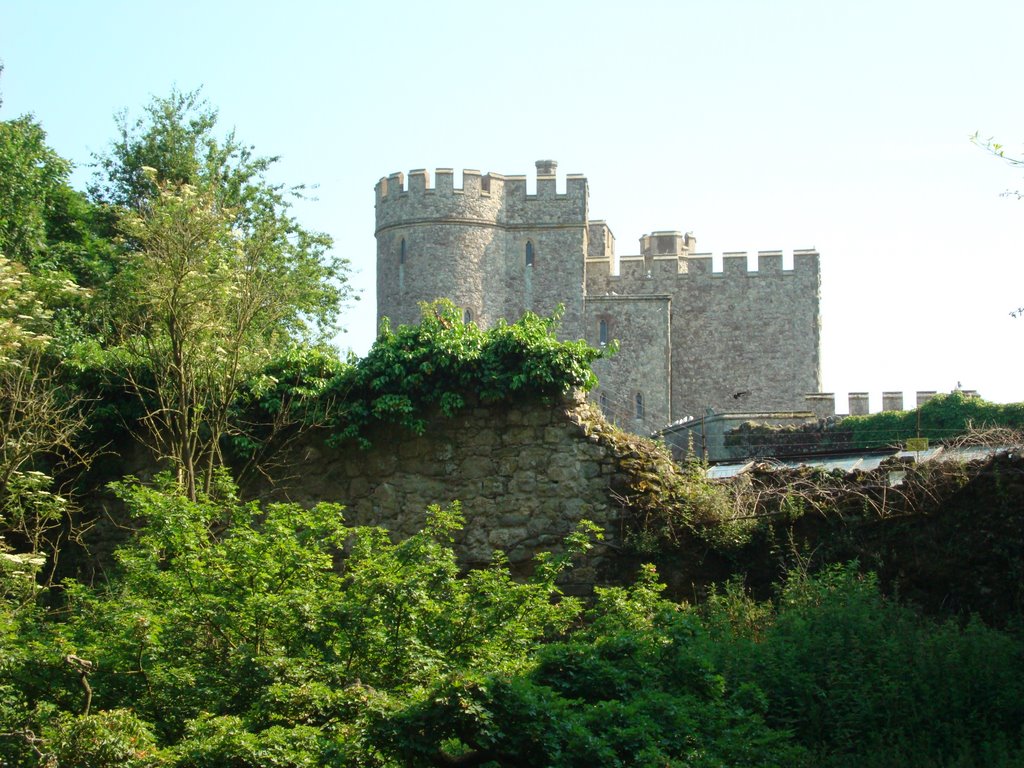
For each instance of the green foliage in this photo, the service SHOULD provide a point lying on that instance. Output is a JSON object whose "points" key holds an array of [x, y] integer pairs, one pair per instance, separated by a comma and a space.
{"points": [[291, 390], [443, 363], [224, 742], [31, 177], [40, 414], [213, 280], [49, 228], [112, 739], [863, 681], [244, 636], [236, 635], [208, 305], [942, 417], [175, 146], [629, 687]]}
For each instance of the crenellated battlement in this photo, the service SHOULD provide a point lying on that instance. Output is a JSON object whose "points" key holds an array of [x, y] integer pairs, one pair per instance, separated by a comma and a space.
{"points": [[491, 199], [701, 265], [823, 404], [397, 186]]}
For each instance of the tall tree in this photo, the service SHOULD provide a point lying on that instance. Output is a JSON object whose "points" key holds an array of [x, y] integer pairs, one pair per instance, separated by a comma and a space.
{"points": [[217, 276], [32, 177], [45, 225], [40, 412], [175, 143]]}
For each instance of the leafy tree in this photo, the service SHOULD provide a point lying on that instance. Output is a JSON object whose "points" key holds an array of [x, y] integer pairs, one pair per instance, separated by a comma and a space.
{"points": [[209, 306], [40, 415], [240, 631], [45, 225], [176, 137], [631, 686], [31, 178], [175, 146], [217, 278]]}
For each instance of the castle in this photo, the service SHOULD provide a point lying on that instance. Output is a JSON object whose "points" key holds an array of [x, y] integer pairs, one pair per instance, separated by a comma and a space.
{"points": [[689, 338]]}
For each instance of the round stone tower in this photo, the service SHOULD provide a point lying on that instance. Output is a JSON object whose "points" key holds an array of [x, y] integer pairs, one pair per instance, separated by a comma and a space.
{"points": [[434, 241], [490, 247]]}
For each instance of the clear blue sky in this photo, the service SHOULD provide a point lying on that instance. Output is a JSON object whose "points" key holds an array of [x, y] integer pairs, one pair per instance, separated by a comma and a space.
{"points": [[756, 125]]}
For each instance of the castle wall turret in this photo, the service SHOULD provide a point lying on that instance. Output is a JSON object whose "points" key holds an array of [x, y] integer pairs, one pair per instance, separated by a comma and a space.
{"points": [[488, 246], [752, 338]]}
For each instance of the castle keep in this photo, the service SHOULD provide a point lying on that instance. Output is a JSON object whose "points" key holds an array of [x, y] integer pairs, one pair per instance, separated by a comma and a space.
{"points": [[690, 338]]}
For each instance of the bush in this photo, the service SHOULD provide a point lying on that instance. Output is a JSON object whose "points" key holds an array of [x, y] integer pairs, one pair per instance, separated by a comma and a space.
{"points": [[444, 362], [861, 680]]}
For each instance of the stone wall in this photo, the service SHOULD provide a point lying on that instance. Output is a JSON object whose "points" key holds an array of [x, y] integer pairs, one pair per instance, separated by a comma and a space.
{"points": [[642, 365], [741, 339], [524, 474]]}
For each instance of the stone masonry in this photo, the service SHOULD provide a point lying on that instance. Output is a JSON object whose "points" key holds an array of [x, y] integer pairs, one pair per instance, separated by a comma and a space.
{"points": [[525, 475], [689, 338]]}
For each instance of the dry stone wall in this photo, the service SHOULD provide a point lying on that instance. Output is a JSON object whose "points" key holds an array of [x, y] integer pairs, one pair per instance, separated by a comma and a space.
{"points": [[524, 474]]}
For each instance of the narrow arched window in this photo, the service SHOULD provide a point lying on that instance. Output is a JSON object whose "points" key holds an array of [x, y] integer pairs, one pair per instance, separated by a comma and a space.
{"points": [[467, 315], [602, 333], [639, 405], [401, 252], [529, 253]]}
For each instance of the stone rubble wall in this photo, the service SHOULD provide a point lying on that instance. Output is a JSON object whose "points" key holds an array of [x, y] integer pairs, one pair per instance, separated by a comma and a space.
{"points": [[525, 476]]}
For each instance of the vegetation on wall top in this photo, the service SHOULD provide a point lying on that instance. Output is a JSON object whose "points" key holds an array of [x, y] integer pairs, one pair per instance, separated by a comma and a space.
{"points": [[942, 418], [444, 363]]}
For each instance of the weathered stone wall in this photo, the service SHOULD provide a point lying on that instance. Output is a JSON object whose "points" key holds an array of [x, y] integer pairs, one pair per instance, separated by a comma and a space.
{"points": [[741, 340], [748, 332], [642, 365], [524, 474]]}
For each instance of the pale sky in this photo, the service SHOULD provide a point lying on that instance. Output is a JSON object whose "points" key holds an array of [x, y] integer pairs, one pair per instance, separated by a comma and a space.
{"points": [[756, 125]]}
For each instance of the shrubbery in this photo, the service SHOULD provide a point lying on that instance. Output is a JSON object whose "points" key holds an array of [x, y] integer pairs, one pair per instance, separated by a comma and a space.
{"points": [[443, 362], [941, 418], [236, 635]]}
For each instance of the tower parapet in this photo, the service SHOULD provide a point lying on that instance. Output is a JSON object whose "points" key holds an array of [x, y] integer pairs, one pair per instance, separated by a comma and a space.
{"points": [[491, 199], [669, 269]]}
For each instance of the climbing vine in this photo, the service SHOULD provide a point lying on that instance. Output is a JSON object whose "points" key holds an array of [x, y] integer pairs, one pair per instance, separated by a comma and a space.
{"points": [[445, 363]]}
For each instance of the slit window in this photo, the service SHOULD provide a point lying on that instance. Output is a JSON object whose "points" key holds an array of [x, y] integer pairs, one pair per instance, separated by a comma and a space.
{"points": [[529, 253], [639, 405], [602, 333], [401, 252], [467, 315]]}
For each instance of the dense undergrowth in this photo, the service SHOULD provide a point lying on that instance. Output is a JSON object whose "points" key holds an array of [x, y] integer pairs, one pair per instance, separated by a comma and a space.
{"points": [[235, 635]]}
